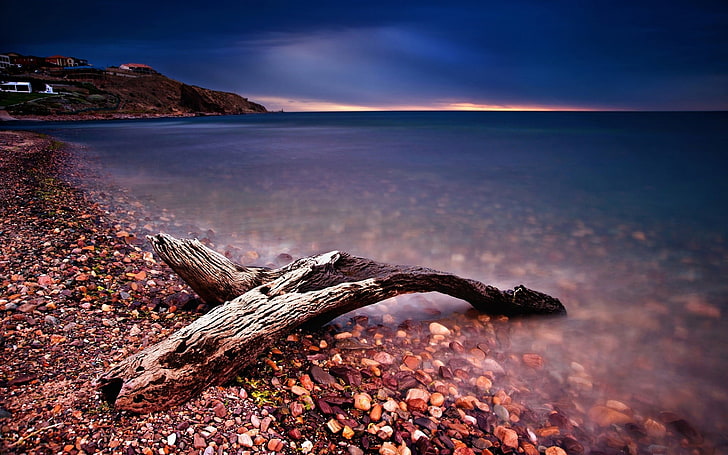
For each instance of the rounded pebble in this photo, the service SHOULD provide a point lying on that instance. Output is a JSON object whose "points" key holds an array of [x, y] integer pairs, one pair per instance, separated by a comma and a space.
{"points": [[438, 329]]}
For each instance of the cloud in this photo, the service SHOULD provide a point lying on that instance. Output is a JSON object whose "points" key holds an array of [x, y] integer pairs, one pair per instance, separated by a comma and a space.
{"points": [[372, 64], [410, 53]]}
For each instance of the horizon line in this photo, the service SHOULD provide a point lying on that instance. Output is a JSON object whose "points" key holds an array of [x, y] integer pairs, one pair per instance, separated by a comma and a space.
{"points": [[279, 104]]}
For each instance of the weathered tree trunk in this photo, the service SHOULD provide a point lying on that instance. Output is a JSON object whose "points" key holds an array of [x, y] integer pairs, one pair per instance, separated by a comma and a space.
{"points": [[211, 275], [263, 305]]}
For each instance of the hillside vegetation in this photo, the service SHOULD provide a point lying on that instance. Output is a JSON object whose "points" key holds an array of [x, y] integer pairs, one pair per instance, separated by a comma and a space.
{"points": [[118, 97]]}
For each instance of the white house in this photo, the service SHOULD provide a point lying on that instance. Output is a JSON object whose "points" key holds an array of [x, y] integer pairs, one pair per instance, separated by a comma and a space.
{"points": [[20, 87]]}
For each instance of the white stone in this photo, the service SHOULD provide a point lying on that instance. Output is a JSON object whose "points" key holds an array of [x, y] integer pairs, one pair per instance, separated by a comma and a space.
{"points": [[438, 329], [418, 434], [418, 393], [245, 440], [390, 405]]}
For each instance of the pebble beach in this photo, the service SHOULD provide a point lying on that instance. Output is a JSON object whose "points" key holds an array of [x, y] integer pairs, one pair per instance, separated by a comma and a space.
{"points": [[81, 290]]}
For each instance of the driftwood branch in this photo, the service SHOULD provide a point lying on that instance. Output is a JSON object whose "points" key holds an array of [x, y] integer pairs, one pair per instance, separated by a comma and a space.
{"points": [[262, 305]]}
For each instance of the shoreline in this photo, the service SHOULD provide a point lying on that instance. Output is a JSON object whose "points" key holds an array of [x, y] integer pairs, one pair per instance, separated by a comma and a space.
{"points": [[81, 291], [6, 117]]}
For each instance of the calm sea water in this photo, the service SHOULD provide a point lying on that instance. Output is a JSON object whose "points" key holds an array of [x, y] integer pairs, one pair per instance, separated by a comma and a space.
{"points": [[624, 216]]}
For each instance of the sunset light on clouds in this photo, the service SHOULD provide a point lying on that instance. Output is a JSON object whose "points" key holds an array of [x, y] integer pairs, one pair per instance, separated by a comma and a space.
{"points": [[310, 105]]}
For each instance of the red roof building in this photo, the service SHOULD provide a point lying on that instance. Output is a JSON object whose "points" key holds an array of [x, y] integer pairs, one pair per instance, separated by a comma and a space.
{"points": [[60, 60], [138, 68]]}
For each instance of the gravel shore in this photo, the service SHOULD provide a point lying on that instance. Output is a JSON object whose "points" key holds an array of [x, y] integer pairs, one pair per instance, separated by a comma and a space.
{"points": [[81, 290]]}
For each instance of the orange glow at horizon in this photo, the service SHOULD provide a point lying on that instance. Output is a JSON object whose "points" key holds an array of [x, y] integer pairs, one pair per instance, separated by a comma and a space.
{"points": [[311, 105], [495, 107]]}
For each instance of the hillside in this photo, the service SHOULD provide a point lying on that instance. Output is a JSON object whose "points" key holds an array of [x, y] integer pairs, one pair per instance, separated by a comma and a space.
{"points": [[123, 97]]}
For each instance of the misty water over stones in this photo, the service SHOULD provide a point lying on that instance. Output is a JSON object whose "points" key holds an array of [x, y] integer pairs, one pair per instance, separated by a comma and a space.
{"points": [[86, 266]]}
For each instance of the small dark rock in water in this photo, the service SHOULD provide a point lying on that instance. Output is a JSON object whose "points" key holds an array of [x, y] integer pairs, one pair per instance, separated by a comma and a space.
{"points": [[320, 376], [571, 445], [635, 430], [89, 448], [405, 380], [338, 400], [486, 422], [179, 299], [350, 375], [446, 441], [483, 347], [424, 422], [425, 447], [182, 426], [324, 407], [219, 409], [558, 419], [361, 320], [412, 327], [687, 430], [501, 412], [445, 372], [481, 443], [457, 347]]}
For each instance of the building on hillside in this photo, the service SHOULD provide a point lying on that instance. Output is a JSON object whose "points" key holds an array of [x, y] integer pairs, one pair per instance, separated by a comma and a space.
{"points": [[4, 61], [28, 62], [138, 68], [33, 63], [60, 60], [13, 56], [19, 87]]}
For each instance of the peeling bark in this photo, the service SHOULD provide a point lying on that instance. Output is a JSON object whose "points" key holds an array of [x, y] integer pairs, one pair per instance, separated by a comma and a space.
{"points": [[263, 305]]}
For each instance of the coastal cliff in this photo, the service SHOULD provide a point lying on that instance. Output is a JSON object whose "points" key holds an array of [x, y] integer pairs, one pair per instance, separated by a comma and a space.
{"points": [[123, 97]]}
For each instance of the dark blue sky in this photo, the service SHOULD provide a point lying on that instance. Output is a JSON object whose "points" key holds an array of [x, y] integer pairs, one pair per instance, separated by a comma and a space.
{"points": [[312, 55]]}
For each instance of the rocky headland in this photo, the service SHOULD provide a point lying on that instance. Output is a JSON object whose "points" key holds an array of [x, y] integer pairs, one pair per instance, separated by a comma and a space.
{"points": [[114, 97]]}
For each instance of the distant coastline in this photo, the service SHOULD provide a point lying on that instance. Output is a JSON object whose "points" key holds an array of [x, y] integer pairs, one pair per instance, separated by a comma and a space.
{"points": [[53, 92]]}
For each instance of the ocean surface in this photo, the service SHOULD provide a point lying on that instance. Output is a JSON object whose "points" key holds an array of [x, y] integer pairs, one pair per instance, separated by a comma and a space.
{"points": [[623, 216]]}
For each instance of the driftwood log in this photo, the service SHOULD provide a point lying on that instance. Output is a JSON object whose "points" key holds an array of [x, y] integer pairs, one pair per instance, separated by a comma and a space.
{"points": [[258, 306]]}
